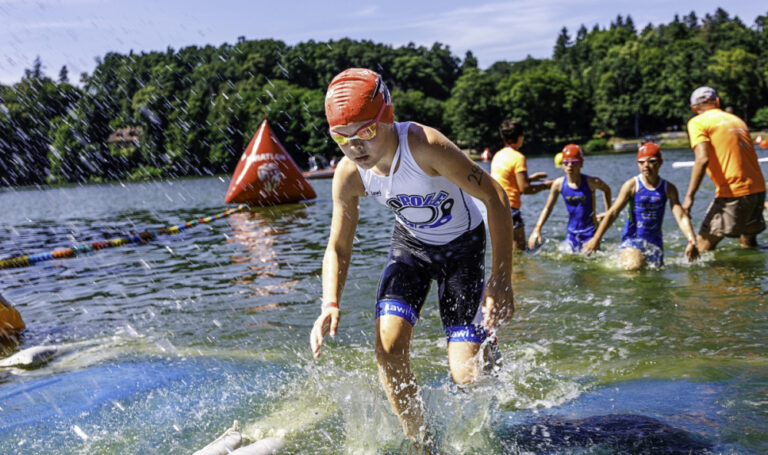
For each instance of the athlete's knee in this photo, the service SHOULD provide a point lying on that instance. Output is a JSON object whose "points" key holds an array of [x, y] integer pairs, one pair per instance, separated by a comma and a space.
{"points": [[394, 325], [391, 344], [631, 259]]}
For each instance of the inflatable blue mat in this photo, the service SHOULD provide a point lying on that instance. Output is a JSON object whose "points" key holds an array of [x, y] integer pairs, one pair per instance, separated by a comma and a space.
{"points": [[74, 395]]}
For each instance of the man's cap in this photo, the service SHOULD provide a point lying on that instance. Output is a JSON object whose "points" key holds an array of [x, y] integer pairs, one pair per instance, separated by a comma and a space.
{"points": [[573, 152], [356, 94], [649, 150], [702, 95]]}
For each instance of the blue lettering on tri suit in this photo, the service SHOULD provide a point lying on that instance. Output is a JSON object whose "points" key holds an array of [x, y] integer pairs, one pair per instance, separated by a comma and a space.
{"points": [[421, 212]]}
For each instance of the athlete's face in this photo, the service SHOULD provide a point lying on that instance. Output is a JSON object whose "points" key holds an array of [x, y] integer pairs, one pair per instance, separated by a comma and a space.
{"points": [[572, 167], [365, 153], [649, 167]]}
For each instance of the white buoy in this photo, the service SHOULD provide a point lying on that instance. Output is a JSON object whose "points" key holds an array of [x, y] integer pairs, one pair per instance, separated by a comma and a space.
{"points": [[231, 443], [225, 444], [268, 446], [677, 164], [30, 357]]}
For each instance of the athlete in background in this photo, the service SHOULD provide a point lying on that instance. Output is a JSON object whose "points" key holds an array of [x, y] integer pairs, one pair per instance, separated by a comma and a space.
{"points": [[578, 192], [647, 194], [510, 169]]}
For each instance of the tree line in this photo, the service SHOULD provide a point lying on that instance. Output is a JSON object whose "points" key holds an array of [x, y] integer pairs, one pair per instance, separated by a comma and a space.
{"points": [[195, 109]]}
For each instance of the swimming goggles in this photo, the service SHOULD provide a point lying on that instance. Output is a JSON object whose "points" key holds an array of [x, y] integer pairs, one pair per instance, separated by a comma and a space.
{"points": [[649, 160], [571, 162], [364, 133]]}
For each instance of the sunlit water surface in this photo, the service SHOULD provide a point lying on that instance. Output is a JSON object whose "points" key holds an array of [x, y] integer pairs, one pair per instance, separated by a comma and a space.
{"points": [[166, 344]]}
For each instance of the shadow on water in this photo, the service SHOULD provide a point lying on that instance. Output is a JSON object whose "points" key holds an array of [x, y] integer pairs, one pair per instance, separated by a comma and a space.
{"points": [[613, 433], [633, 417]]}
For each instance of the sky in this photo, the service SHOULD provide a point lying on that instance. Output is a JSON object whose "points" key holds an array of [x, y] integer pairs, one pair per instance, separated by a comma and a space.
{"points": [[75, 32]]}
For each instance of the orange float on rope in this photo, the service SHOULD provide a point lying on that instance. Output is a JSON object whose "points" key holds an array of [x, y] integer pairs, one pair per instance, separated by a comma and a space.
{"points": [[764, 143], [266, 174], [10, 319]]}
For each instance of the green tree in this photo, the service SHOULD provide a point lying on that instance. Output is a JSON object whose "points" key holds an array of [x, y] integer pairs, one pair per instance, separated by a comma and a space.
{"points": [[735, 74], [472, 116]]}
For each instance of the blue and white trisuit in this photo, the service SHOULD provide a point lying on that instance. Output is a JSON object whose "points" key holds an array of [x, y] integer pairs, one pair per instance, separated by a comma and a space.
{"points": [[439, 235]]}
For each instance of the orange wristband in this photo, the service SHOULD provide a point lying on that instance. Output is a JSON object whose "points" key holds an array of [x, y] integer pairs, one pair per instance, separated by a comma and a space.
{"points": [[329, 305]]}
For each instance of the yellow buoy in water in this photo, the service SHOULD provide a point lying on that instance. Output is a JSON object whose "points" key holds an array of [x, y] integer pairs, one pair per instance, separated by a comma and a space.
{"points": [[559, 159]]}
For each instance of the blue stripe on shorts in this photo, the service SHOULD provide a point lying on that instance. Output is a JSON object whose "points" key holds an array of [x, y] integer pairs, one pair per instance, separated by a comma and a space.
{"points": [[396, 308], [466, 333]]}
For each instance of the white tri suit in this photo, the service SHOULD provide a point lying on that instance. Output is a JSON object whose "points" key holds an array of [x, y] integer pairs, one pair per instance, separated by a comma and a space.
{"points": [[439, 234]]}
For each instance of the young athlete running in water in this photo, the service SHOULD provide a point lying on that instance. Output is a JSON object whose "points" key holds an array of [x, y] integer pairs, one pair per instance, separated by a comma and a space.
{"points": [[646, 193], [439, 234], [579, 196]]}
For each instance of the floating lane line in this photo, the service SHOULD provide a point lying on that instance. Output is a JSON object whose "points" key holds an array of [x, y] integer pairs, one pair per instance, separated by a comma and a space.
{"points": [[140, 238]]}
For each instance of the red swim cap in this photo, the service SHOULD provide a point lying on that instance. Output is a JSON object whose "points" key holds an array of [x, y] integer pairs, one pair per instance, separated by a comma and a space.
{"points": [[648, 150], [573, 152], [355, 95]]}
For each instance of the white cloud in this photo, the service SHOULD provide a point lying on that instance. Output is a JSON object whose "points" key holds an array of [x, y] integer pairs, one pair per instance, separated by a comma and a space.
{"points": [[51, 25]]}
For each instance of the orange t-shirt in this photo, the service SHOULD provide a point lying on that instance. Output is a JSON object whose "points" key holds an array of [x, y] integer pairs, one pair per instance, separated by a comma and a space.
{"points": [[505, 165], [733, 166]]}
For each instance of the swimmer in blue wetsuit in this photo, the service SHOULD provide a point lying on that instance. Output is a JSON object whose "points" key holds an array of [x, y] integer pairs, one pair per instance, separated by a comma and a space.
{"points": [[647, 194], [578, 192]]}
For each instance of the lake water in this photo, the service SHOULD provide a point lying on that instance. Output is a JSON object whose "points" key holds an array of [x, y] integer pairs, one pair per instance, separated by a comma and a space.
{"points": [[166, 344]]}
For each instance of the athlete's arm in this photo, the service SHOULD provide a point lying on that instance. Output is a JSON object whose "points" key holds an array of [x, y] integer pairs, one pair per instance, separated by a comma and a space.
{"points": [[437, 155], [554, 191], [627, 191], [347, 189], [683, 221], [536, 176], [524, 183], [596, 183], [700, 164]]}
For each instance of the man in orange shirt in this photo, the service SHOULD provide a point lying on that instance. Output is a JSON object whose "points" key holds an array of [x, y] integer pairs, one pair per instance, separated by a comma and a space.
{"points": [[509, 168], [724, 148]]}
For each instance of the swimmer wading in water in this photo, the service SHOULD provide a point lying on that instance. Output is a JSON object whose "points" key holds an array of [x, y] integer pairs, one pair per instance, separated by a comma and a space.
{"points": [[439, 234]]}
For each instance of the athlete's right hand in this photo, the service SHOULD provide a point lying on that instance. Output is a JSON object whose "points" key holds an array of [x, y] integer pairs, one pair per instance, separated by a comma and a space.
{"points": [[590, 246], [328, 321], [534, 239]]}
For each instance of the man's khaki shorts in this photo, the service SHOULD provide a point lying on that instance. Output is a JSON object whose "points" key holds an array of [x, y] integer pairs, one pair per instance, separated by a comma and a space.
{"points": [[734, 216]]}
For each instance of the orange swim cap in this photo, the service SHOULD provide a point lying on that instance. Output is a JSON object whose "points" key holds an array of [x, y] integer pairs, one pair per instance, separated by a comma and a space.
{"points": [[355, 95], [573, 152], [648, 150]]}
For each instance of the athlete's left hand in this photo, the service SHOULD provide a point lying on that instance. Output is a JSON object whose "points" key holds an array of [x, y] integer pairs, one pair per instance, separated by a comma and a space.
{"points": [[691, 252], [498, 302], [599, 217]]}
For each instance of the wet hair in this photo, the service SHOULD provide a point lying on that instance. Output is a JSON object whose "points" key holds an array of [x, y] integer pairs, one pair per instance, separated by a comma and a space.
{"points": [[510, 130]]}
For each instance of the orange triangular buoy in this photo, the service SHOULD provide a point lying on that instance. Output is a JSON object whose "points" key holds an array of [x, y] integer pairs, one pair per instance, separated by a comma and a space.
{"points": [[266, 174]]}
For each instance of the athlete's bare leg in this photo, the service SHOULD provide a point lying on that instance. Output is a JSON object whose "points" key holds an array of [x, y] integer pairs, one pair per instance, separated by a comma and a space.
{"points": [[393, 344], [748, 240], [465, 361], [707, 242], [518, 239]]}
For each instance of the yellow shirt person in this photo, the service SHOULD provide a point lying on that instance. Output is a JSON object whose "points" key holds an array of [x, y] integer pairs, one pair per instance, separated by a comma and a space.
{"points": [[724, 148]]}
